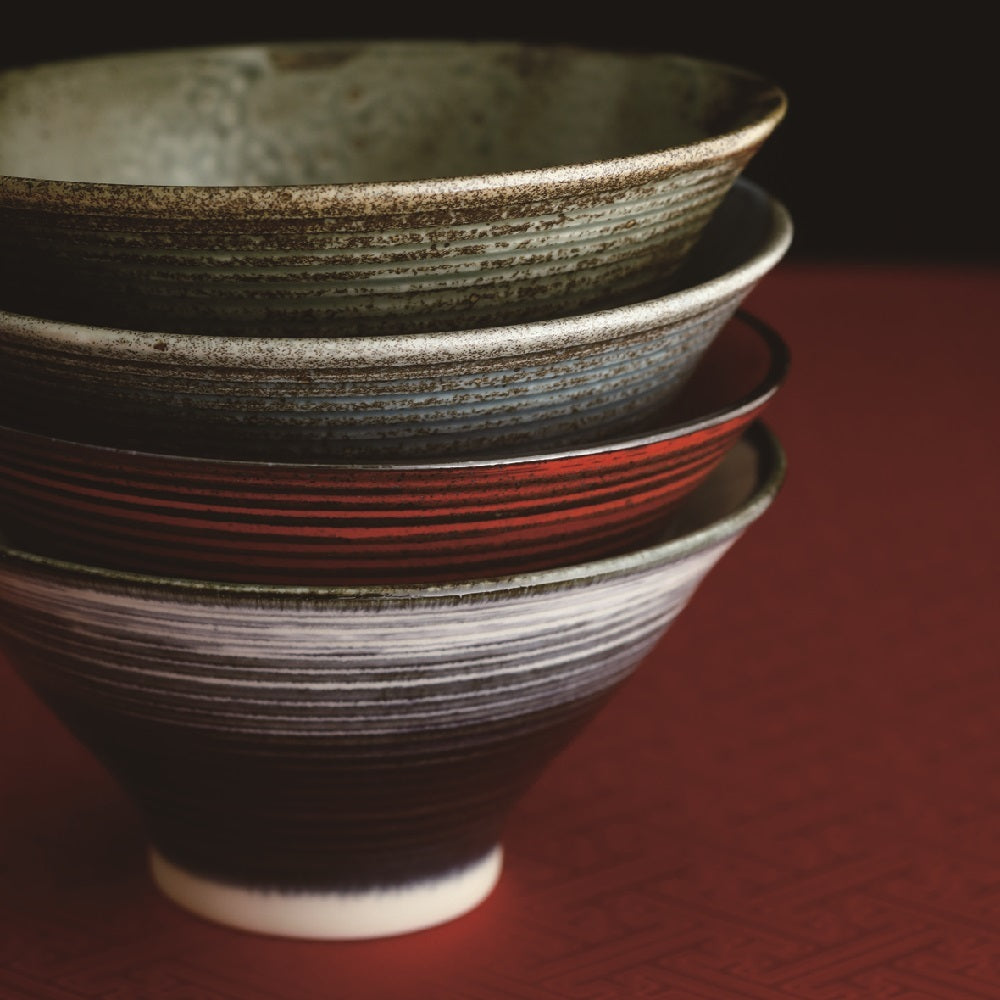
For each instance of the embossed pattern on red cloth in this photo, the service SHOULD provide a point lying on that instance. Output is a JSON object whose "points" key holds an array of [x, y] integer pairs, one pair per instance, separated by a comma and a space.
{"points": [[796, 797]]}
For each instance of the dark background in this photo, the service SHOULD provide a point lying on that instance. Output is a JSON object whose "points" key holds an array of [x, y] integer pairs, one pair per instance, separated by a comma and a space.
{"points": [[887, 152]]}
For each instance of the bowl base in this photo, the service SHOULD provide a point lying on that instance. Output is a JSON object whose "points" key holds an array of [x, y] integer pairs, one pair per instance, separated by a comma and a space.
{"points": [[330, 915]]}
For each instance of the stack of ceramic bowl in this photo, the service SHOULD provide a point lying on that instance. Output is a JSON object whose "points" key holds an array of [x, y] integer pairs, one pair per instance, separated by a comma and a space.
{"points": [[369, 411]]}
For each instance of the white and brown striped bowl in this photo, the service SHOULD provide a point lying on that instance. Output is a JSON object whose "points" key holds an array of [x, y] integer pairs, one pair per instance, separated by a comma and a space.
{"points": [[355, 188], [339, 762], [471, 393]]}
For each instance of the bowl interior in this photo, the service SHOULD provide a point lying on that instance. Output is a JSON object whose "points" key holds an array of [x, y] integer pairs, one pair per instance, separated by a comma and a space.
{"points": [[344, 112]]}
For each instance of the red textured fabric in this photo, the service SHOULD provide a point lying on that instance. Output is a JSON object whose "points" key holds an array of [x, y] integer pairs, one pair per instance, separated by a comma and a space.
{"points": [[796, 796]]}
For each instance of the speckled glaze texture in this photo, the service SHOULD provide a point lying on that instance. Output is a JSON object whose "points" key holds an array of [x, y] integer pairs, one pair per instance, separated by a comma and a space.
{"points": [[352, 524], [348, 188], [303, 739], [569, 381]]}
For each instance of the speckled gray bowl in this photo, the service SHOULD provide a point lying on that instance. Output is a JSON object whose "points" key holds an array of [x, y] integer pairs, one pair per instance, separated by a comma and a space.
{"points": [[340, 762], [347, 188], [457, 394]]}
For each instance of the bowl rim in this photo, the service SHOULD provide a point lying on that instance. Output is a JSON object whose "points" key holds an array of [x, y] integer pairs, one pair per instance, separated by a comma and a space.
{"points": [[477, 343], [779, 360], [397, 197], [771, 471]]}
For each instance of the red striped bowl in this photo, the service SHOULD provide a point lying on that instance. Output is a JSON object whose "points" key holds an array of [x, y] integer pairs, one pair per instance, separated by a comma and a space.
{"points": [[244, 521]]}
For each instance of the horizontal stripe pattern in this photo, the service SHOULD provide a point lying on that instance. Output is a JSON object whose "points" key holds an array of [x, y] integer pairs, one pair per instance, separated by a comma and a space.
{"points": [[475, 528], [393, 255], [376, 670], [564, 397], [331, 745], [344, 524]]}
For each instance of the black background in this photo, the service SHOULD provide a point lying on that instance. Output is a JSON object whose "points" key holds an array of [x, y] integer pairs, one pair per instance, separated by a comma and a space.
{"points": [[886, 154]]}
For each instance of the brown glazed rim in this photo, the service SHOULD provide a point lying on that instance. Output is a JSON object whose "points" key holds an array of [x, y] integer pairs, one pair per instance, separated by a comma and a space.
{"points": [[388, 198], [771, 470], [777, 370]]}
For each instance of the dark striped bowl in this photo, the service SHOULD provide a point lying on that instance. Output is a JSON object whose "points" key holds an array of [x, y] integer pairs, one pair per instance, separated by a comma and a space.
{"points": [[349, 524], [339, 762], [442, 395], [339, 188]]}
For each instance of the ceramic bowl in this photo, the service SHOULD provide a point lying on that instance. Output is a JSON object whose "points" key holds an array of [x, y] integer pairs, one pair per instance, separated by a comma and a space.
{"points": [[354, 188], [459, 394], [339, 762], [383, 523]]}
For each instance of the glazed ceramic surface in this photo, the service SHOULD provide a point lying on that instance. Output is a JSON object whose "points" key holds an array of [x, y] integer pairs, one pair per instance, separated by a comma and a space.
{"points": [[345, 524], [468, 393], [350, 188], [301, 753]]}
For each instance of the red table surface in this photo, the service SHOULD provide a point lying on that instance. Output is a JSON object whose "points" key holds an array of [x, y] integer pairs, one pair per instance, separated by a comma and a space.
{"points": [[796, 796]]}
